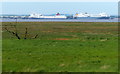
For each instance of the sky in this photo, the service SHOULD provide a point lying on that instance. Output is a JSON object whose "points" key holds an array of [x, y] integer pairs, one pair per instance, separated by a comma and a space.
{"points": [[61, 7], [60, 0]]}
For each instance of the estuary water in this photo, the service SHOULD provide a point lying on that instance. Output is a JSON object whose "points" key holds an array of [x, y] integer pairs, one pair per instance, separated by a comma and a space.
{"points": [[58, 20]]}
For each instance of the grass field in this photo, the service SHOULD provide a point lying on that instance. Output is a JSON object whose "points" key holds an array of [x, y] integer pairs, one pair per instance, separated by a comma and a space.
{"points": [[61, 47]]}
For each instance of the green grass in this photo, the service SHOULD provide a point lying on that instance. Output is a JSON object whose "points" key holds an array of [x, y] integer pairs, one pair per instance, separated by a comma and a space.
{"points": [[61, 47]]}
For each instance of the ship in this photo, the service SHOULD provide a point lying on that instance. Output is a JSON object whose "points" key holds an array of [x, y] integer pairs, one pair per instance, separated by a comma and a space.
{"points": [[40, 16], [91, 16]]}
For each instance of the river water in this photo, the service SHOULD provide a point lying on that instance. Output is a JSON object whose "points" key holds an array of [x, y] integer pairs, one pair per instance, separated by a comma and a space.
{"points": [[58, 20]]}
